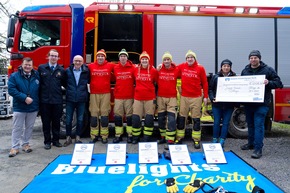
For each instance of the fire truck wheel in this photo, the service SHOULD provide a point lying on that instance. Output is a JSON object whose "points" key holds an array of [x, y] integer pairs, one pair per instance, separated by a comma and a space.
{"points": [[238, 126]]}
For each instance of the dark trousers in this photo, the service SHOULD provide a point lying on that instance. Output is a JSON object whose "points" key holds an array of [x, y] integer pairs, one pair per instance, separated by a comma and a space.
{"points": [[256, 116], [50, 117], [224, 114], [80, 110]]}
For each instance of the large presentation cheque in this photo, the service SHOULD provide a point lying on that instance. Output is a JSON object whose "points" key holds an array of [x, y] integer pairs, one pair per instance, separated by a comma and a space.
{"points": [[241, 89]]}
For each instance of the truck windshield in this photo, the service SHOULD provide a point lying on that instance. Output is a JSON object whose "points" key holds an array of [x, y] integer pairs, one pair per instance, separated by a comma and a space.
{"points": [[37, 33]]}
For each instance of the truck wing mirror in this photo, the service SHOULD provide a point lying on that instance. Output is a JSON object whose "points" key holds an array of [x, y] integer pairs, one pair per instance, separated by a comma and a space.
{"points": [[11, 27], [9, 42]]}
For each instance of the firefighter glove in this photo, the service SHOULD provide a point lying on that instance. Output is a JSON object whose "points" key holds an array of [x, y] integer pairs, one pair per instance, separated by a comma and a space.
{"points": [[193, 187], [171, 186]]}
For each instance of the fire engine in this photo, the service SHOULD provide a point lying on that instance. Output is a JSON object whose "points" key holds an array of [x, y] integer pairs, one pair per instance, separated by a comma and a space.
{"points": [[214, 32]]}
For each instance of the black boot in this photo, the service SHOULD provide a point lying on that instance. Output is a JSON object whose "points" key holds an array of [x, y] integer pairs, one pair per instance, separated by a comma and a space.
{"points": [[129, 139], [168, 142], [94, 140], [161, 141], [117, 139], [146, 138], [135, 139], [196, 144]]}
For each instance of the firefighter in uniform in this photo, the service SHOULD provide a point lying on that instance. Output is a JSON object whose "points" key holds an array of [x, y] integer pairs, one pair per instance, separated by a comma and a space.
{"points": [[194, 91], [145, 78], [166, 99], [100, 96], [124, 95]]}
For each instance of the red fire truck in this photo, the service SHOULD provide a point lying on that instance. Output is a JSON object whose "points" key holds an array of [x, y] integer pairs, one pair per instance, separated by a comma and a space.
{"points": [[213, 32]]}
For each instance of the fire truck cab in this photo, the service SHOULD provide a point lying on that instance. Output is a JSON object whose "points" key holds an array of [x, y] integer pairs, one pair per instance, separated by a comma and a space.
{"points": [[213, 32]]}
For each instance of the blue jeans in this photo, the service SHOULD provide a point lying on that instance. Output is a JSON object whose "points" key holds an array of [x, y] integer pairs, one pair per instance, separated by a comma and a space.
{"points": [[221, 113], [80, 110], [255, 116]]}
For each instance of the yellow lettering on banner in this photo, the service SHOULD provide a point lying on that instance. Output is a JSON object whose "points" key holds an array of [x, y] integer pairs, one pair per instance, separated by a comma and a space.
{"points": [[138, 181], [185, 179], [250, 184], [192, 178], [133, 183]]}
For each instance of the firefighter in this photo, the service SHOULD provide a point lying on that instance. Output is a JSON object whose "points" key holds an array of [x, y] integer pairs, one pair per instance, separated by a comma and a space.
{"points": [[166, 100], [100, 96], [194, 92], [124, 95], [145, 78]]}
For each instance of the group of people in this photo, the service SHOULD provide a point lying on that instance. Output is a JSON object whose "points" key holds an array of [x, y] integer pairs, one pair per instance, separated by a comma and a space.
{"points": [[136, 88], [255, 112], [135, 93], [41, 91]]}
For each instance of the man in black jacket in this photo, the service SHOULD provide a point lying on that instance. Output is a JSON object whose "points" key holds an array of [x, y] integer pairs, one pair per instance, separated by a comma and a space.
{"points": [[256, 112], [52, 78], [78, 76]]}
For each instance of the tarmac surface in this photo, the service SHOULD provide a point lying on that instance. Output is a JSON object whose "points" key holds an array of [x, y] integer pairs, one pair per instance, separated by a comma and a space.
{"points": [[19, 171]]}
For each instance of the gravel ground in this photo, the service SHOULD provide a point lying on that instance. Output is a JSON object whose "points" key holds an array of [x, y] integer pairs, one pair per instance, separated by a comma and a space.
{"points": [[17, 172]]}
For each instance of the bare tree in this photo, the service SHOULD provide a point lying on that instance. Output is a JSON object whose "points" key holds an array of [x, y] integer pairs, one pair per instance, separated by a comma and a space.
{"points": [[5, 10]]}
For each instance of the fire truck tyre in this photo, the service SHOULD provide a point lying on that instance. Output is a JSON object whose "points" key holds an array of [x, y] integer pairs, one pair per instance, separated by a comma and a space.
{"points": [[238, 126], [85, 127], [268, 123]]}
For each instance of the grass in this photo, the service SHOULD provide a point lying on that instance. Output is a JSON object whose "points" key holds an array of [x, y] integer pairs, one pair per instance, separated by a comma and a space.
{"points": [[279, 130], [280, 125]]}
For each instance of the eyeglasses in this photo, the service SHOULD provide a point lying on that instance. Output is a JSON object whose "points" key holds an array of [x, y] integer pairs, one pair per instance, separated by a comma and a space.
{"points": [[77, 61], [53, 56]]}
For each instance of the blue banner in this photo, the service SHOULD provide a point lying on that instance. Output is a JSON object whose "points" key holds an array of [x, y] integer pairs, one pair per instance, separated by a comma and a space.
{"points": [[60, 176]]}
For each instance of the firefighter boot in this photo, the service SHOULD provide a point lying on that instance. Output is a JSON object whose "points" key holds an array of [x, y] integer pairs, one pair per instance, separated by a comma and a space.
{"points": [[135, 139]]}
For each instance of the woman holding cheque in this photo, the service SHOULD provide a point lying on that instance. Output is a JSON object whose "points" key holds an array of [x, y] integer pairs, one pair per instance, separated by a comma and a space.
{"points": [[221, 110]]}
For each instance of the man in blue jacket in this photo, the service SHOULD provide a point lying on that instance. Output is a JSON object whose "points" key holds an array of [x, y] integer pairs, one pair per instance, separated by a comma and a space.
{"points": [[52, 78], [256, 112], [23, 86], [78, 76]]}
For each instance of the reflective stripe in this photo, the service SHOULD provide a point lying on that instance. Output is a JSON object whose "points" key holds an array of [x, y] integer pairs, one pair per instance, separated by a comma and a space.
{"points": [[129, 130], [170, 135], [162, 132], [136, 131], [104, 132], [196, 135], [119, 131], [148, 131], [180, 133], [94, 132]]}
